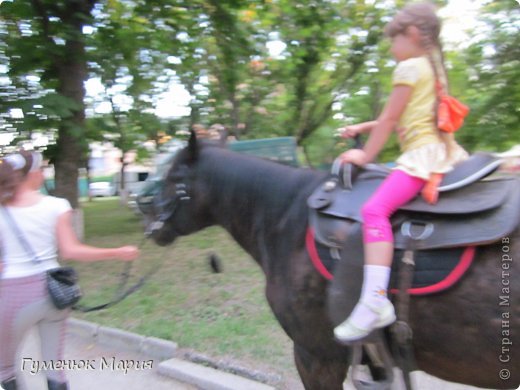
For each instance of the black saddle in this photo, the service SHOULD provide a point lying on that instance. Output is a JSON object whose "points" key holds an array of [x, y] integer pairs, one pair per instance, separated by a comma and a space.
{"points": [[472, 208]]}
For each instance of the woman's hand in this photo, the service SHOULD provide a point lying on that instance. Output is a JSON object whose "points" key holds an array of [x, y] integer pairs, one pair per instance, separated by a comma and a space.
{"points": [[354, 156], [127, 253]]}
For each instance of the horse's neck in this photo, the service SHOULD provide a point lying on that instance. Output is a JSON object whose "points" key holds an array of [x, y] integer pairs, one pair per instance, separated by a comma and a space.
{"points": [[263, 206]]}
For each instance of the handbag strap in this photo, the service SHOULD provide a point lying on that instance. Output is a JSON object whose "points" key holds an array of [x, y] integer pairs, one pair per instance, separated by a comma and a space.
{"points": [[19, 235]]}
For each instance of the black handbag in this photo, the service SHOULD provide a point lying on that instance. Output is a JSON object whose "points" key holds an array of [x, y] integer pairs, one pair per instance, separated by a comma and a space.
{"points": [[63, 287], [62, 282]]}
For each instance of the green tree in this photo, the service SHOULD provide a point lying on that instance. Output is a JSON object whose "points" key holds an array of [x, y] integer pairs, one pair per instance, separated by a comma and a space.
{"points": [[492, 86], [45, 61], [233, 48], [333, 68], [124, 55]]}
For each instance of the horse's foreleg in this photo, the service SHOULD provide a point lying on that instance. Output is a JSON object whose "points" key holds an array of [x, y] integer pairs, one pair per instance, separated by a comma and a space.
{"points": [[318, 373]]}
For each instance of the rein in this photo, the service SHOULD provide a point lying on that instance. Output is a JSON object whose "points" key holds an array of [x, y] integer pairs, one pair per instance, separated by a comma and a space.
{"points": [[121, 293], [167, 209]]}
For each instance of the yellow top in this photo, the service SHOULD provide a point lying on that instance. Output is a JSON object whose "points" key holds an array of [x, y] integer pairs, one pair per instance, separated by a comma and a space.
{"points": [[418, 117]]}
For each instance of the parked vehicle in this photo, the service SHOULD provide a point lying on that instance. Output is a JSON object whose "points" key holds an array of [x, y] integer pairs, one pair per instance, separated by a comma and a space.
{"points": [[101, 188], [135, 178], [150, 184]]}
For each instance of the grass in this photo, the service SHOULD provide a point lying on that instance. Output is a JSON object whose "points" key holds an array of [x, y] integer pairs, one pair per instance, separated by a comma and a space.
{"points": [[224, 316]]}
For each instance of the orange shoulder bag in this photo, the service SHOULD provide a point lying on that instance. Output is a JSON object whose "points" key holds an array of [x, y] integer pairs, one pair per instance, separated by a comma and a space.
{"points": [[450, 117], [450, 111]]}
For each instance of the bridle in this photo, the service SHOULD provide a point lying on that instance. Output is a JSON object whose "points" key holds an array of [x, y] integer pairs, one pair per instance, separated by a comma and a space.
{"points": [[167, 207]]}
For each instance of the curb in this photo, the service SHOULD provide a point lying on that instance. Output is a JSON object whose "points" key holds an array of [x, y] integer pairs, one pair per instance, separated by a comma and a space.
{"points": [[207, 378], [116, 338], [203, 373]]}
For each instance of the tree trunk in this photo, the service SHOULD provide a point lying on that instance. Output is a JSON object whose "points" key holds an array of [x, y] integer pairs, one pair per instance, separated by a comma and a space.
{"points": [[66, 165], [72, 74], [123, 191]]}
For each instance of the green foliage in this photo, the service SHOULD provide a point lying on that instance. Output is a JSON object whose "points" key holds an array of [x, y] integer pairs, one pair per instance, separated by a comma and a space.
{"points": [[333, 68], [492, 68], [43, 56]]}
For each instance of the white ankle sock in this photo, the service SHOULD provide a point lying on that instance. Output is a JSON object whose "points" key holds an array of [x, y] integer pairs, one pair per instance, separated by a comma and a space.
{"points": [[375, 284], [373, 293]]}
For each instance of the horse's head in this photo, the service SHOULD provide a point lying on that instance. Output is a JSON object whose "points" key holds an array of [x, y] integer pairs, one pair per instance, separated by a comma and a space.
{"points": [[179, 206]]}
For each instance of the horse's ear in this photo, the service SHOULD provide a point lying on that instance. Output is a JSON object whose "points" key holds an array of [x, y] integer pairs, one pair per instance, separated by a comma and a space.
{"points": [[193, 147]]}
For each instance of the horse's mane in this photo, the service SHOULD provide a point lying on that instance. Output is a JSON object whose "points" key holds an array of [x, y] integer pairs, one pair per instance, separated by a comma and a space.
{"points": [[245, 182]]}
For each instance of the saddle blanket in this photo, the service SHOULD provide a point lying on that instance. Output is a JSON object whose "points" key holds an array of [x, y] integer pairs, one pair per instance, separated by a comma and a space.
{"points": [[435, 270]]}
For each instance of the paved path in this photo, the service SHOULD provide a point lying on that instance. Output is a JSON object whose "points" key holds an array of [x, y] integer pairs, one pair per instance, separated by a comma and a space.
{"points": [[98, 375], [112, 359], [107, 358]]}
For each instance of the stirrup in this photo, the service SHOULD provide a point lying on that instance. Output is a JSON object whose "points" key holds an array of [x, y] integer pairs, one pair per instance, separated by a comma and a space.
{"points": [[377, 350]]}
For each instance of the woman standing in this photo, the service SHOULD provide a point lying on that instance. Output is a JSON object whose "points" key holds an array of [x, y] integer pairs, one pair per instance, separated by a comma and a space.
{"points": [[45, 222]]}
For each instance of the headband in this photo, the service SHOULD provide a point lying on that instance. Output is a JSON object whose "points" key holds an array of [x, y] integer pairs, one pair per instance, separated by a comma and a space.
{"points": [[17, 161], [37, 161]]}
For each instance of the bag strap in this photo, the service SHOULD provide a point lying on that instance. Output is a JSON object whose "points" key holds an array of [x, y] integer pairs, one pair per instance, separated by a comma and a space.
{"points": [[19, 235], [439, 89]]}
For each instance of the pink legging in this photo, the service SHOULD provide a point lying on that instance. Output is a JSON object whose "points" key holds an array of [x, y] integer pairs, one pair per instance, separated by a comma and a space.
{"points": [[24, 303], [397, 189]]}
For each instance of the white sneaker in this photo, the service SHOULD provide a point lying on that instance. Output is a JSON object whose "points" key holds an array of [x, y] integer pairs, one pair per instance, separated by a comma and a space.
{"points": [[347, 331]]}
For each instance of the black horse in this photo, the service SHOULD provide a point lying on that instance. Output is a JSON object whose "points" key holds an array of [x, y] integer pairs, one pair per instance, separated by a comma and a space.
{"points": [[460, 335]]}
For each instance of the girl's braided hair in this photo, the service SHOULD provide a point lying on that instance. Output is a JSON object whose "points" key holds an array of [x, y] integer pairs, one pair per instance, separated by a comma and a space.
{"points": [[424, 17]]}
